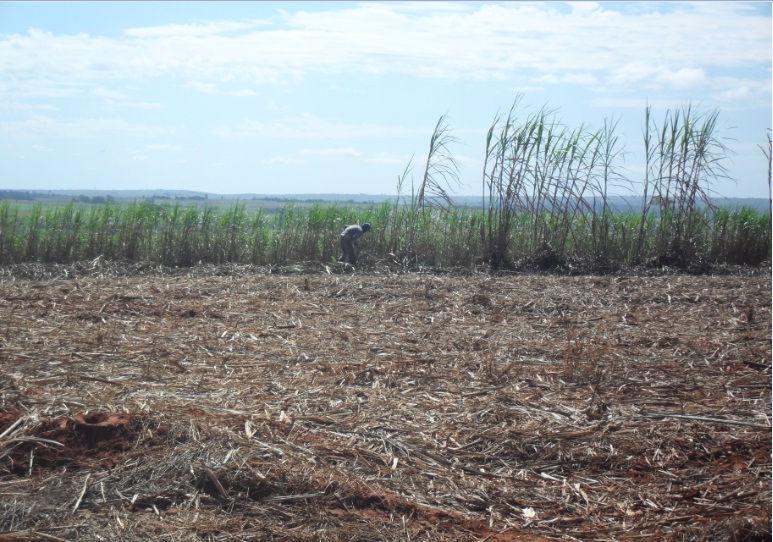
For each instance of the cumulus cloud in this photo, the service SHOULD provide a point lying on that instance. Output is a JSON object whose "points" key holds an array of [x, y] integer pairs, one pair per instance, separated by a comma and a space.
{"points": [[682, 78], [677, 46], [728, 93], [741, 92], [656, 76]]}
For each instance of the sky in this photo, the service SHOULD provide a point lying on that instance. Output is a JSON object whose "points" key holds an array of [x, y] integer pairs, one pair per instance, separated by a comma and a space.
{"points": [[333, 97]]}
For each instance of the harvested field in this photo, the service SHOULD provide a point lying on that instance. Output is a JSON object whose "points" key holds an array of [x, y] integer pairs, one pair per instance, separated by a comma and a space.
{"points": [[385, 407]]}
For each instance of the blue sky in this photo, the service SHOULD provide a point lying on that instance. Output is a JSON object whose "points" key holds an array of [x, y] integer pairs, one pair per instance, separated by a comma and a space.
{"points": [[336, 97]]}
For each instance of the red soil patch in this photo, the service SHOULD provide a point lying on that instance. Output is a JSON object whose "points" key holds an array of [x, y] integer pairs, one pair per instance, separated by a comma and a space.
{"points": [[8, 418], [86, 439]]}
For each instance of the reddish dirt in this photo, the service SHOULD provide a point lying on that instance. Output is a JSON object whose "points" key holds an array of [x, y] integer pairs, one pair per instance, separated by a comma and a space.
{"points": [[20, 537], [85, 440], [7, 418]]}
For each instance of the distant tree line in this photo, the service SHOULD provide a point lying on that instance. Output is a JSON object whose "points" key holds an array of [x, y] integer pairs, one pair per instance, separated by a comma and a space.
{"points": [[94, 199], [310, 200], [18, 195]]}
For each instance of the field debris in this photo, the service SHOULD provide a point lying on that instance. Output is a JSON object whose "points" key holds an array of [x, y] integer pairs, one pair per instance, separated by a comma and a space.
{"points": [[316, 406]]}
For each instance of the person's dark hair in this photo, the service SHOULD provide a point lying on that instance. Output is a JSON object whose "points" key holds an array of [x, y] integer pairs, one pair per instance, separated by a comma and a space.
{"points": [[365, 227]]}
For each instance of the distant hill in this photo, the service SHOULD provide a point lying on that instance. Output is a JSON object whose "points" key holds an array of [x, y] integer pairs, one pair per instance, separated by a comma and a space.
{"points": [[617, 203]]}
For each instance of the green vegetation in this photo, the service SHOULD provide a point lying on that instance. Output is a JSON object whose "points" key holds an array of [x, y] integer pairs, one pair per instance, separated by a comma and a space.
{"points": [[546, 204], [183, 236]]}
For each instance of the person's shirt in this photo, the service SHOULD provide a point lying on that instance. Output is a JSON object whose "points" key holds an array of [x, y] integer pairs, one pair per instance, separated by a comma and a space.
{"points": [[354, 231]]}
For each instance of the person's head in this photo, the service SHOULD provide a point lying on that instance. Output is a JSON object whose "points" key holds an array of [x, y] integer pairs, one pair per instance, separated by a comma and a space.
{"points": [[365, 227]]}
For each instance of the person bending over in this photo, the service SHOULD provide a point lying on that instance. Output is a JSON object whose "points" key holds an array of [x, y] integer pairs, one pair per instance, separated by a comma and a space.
{"points": [[348, 236]]}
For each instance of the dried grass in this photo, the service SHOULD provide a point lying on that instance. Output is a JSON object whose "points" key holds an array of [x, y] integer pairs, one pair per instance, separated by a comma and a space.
{"points": [[326, 407]]}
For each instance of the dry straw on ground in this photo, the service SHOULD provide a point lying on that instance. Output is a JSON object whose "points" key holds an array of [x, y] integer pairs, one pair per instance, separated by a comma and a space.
{"points": [[384, 407]]}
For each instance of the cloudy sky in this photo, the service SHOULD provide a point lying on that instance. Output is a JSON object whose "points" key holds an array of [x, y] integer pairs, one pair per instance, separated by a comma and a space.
{"points": [[336, 97]]}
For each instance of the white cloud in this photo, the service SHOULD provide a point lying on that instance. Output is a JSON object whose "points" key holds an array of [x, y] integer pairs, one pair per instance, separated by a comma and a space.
{"points": [[682, 78], [656, 76], [304, 156], [206, 88], [311, 127], [676, 47], [190, 30], [631, 73], [40, 126], [584, 79], [728, 93], [109, 94], [211, 88], [741, 92], [584, 7], [26, 87], [8, 105], [113, 98], [618, 102]]}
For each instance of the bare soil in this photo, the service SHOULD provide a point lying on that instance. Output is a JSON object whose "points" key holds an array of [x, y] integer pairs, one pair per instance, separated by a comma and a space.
{"points": [[380, 406]]}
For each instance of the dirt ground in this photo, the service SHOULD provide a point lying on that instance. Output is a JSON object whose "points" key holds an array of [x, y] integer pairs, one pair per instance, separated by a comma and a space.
{"points": [[385, 407]]}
